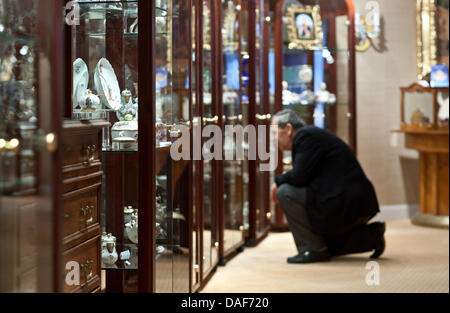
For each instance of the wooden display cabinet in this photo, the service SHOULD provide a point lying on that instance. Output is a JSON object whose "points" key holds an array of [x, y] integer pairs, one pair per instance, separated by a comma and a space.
{"points": [[300, 68], [31, 92], [425, 125], [146, 202]]}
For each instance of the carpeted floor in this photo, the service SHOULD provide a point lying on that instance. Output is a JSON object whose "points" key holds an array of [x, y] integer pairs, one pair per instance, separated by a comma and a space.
{"points": [[416, 260]]}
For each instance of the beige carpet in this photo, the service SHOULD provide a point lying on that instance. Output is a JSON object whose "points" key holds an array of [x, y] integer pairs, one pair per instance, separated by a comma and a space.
{"points": [[416, 260]]}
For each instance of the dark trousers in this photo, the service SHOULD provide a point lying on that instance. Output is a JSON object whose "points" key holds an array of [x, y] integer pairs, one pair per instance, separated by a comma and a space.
{"points": [[358, 238]]}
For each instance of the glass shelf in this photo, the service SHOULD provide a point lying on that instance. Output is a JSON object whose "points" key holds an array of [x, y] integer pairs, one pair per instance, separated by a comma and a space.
{"points": [[130, 263], [95, 8], [332, 51], [97, 115], [4, 37]]}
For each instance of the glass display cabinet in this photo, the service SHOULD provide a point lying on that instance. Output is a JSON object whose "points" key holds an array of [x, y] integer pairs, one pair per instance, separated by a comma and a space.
{"points": [[424, 108], [315, 67], [31, 85], [145, 202]]}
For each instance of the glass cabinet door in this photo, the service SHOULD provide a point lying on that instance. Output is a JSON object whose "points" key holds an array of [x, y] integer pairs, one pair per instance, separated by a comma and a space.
{"points": [[209, 117], [181, 116], [28, 140], [233, 110], [317, 77], [262, 118], [196, 165]]}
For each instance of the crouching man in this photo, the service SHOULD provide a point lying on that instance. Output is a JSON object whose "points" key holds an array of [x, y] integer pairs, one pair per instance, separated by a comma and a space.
{"points": [[326, 197]]}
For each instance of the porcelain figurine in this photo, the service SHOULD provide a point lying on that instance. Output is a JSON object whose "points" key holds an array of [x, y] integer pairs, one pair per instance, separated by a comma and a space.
{"points": [[109, 252], [324, 96], [132, 229], [128, 110], [128, 213]]}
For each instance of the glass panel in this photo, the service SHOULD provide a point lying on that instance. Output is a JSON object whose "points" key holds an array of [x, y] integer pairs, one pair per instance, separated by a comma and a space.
{"points": [[261, 177], [316, 82], [343, 76], [419, 108], [195, 171], [233, 170], [26, 205], [210, 253], [167, 112], [244, 93], [181, 115]]}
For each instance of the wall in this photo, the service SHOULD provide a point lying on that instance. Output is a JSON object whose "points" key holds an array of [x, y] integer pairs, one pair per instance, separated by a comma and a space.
{"points": [[392, 168]]}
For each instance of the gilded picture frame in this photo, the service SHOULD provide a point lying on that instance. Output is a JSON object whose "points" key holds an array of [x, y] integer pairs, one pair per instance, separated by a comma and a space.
{"points": [[426, 37], [304, 27]]}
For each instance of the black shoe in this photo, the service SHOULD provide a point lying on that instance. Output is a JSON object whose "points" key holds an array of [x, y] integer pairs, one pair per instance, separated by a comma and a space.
{"points": [[310, 257], [380, 242]]}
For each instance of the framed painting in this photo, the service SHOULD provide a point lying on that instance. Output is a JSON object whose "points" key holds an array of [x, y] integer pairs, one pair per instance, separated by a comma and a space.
{"points": [[304, 27]]}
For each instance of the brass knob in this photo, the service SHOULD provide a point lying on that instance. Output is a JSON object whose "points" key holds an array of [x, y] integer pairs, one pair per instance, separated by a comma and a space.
{"points": [[90, 153], [87, 215], [51, 142], [213, 120], [12, 145], [264, 117], [2, 145], [86, 269]]}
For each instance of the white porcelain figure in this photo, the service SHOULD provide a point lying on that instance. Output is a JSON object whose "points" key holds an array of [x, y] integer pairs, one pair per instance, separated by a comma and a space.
{"points": [[128, 110], [132, 229], [109, 252], [128, 213], [324, 96]]}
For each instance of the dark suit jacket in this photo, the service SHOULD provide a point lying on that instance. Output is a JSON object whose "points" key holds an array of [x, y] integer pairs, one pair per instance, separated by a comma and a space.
{"points": [[338, 191]]}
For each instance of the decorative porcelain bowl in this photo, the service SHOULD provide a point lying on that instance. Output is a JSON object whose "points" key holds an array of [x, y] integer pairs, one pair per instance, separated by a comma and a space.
{"points": [[125, 133]]}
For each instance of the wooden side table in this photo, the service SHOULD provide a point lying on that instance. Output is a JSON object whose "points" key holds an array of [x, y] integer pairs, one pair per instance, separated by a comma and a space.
{"points": [[433, 147]]}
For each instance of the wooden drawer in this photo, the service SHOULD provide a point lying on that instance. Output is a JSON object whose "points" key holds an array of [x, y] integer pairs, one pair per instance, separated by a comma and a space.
{"points": [[80, 150], [81, 142], [87, 255], [81, 182], [81, 215]]}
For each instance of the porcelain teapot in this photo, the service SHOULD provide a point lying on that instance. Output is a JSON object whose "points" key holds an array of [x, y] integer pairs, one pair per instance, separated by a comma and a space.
{"points": [[89, 102]]}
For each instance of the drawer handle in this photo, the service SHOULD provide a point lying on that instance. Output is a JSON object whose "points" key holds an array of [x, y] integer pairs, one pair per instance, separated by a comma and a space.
{"points": [[87, 215], [66, 216], [86, 270], [90, 153]]}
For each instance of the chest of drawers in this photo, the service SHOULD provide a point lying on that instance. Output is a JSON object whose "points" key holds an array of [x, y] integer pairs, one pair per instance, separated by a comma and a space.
{"points": [[82, 200]]}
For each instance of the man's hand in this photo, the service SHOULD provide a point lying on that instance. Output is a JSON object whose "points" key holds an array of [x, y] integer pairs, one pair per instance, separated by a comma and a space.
{"points": [[273, 194]]}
